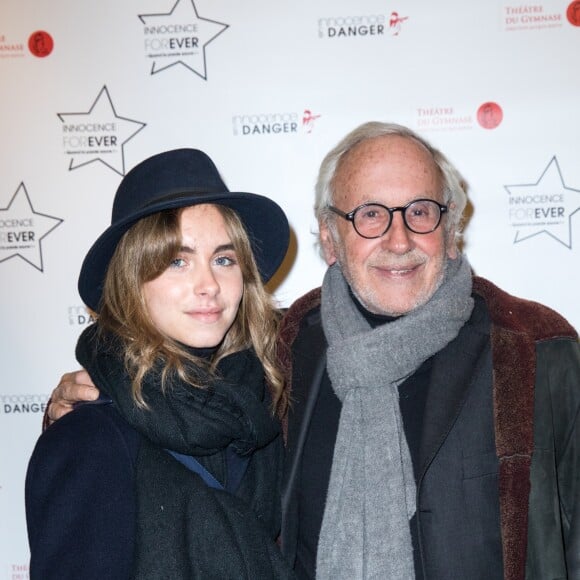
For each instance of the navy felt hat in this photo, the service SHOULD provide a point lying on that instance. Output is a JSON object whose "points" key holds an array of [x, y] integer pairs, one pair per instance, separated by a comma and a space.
{"points": [[181, 178]]}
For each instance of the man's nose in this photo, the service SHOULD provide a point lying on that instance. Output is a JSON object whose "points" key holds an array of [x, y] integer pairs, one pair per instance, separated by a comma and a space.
{"points": [[398, 238]]}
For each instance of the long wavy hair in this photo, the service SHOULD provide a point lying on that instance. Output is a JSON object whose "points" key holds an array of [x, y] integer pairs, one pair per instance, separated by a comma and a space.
{"points": [[143, 254]]}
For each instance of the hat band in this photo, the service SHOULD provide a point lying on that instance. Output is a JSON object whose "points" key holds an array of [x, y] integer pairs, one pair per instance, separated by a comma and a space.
{"points": [[181, 193]]}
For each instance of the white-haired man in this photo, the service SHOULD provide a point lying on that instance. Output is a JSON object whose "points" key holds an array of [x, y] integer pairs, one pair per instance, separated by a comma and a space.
{"points": [[434, 432]]}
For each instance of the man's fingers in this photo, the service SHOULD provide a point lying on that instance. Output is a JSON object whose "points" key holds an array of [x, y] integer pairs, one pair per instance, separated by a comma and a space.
{"points": [[74, 387], [82, 378], [58, 410]]}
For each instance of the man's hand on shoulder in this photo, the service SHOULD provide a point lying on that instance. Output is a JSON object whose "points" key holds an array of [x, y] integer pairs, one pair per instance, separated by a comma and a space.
{"points": [[73, 388]]}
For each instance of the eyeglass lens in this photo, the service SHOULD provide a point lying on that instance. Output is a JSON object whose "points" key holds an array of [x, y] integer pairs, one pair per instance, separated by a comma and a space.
{"points": [[421, 217]]}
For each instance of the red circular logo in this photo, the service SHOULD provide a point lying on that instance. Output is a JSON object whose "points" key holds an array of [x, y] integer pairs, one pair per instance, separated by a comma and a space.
{"points": [[40, 43], [573, 13], [489, 115]]}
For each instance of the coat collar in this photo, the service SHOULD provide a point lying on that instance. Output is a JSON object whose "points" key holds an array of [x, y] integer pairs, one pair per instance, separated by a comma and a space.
{"points": [[517, 325], [447, 391]]}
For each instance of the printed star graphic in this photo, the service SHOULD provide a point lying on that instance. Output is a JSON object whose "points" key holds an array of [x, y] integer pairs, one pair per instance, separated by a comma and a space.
{"points": [[189, 36], [24, 229], [106, 145], [552, 204]]}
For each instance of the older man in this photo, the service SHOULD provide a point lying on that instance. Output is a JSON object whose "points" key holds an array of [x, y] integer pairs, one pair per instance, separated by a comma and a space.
{"points": [[434, 431]]}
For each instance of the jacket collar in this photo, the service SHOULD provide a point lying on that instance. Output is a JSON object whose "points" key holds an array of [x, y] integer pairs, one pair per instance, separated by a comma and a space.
{"points": [[517, 325]]}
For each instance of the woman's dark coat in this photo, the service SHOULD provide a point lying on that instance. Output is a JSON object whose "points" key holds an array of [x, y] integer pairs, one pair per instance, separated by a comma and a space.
{"points": [[89, 516]]}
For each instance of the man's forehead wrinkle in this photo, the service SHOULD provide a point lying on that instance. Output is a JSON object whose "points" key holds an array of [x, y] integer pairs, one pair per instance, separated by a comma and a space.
{"points": [[349, 167], [360, 159]]}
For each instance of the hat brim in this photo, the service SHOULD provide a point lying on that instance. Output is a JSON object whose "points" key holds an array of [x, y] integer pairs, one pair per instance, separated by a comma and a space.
{"points": [[263, 219]]}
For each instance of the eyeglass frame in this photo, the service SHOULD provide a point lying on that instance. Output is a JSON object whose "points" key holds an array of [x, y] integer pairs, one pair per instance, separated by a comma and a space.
{"points": [[390, 210]]}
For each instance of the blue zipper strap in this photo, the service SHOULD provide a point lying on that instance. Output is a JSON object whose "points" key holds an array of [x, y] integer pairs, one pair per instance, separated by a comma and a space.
{"points": [[194, 465]]}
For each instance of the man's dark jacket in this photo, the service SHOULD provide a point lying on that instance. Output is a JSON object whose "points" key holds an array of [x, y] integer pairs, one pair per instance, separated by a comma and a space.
{"points": [[498, 495]]}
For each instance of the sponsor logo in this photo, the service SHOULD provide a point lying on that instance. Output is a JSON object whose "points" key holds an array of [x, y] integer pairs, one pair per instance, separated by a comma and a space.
{"points": [[22, 229], [308, 120], [98, 135], [18, 571], [573, 13], [489, 115], [288, 123], [79, 316], [395, 22], [40, 43], [516, 17], [449, 118], [369, 25], [544, 207], [179, 37], [23, 404], [443, 118], [10, 48]]}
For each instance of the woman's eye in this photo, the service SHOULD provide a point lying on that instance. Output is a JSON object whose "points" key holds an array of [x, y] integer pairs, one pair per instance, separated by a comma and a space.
{"points": [[177, 263], [225, 261]]}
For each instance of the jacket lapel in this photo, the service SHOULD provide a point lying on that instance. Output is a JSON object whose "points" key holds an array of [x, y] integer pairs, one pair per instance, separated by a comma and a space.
{"points": [[309, 363], [454, 368]]}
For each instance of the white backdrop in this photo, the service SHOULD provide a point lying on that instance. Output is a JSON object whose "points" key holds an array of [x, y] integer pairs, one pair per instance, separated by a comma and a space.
{"points": [[89, 89]]}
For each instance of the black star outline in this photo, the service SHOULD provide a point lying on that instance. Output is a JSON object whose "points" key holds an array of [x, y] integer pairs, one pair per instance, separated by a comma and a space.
{"points": [[104, 91], [22, 189], [553, 161], [203, 74]]}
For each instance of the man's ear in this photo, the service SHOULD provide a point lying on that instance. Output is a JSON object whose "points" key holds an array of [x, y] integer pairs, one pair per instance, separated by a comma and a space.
{"points": [[327, 244], [450, 241]]}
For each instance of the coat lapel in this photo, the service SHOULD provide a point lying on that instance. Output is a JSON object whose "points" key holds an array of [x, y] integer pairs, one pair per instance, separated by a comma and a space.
{"points": [[309, 363], [454, 368]]}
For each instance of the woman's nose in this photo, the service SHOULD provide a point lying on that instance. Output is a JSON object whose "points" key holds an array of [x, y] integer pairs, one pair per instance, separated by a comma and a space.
{"points": [[205, 282]]}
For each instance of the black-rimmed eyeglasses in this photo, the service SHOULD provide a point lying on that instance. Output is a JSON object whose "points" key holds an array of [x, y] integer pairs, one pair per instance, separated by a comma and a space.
{"points": [[372, 220]]}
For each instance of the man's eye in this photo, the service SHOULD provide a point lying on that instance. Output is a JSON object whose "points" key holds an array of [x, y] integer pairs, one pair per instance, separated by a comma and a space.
{"points": [[177, 263], [372, 214]]}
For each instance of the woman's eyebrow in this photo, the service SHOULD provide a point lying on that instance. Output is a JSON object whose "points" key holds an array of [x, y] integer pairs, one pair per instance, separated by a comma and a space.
{"points": [[220, 248], [224, 247]]}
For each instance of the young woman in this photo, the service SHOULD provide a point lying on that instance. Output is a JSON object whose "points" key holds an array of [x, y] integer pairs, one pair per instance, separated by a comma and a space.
{"points": [[174, 472]]}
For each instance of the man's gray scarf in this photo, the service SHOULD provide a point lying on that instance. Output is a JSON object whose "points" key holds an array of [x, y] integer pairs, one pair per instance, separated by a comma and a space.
{"points": [[371, 495]]}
